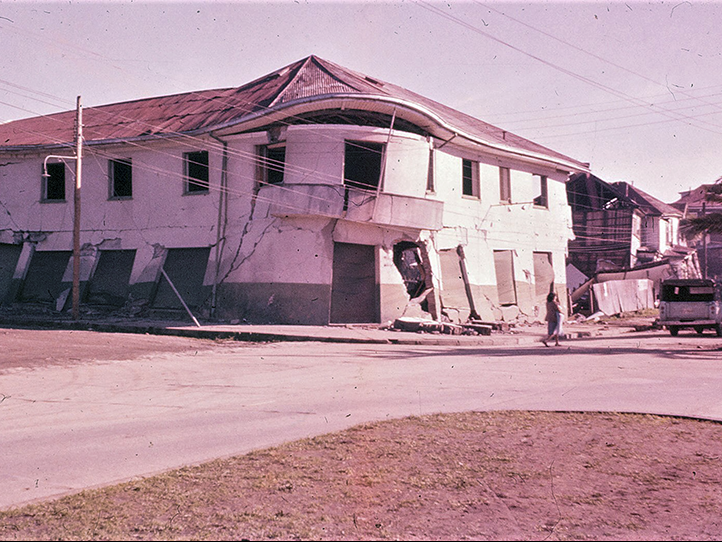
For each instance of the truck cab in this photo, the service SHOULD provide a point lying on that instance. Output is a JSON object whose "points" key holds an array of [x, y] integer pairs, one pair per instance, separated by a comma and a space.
{"points": [[690, 303]]}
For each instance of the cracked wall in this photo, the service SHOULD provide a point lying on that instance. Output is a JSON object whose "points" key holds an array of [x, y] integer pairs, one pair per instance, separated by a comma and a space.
{"points": [[268, 263]]}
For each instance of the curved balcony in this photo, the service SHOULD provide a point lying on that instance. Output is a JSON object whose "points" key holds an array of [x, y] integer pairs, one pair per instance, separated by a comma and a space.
{"points": [[353, 204]]}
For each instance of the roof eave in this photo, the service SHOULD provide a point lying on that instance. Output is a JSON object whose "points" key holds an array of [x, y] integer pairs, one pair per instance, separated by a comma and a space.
{"points": [[420, 115], [438, 126]]}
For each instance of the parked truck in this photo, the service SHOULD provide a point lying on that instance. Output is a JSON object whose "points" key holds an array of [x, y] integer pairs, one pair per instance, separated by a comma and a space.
{"points": [[690, 303]]}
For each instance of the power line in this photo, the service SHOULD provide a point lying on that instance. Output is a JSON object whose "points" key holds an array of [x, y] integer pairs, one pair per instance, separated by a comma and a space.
{"points": [[434, 9]]}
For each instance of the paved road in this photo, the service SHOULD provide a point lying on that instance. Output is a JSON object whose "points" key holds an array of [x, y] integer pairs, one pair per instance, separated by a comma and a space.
{"points": [[68, 427]]}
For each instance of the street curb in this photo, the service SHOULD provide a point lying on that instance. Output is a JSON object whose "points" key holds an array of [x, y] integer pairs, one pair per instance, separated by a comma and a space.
{"points": [[398, 337], [180, 330]]}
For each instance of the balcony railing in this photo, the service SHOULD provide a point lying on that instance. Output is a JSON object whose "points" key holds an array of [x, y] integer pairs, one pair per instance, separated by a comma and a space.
{"points": [[353, 204]]}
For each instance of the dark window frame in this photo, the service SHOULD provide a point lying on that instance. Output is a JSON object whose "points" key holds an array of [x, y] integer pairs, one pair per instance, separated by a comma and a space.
{"points": [[504, 185], [120, 173], [430, 180], [542, 199], [470, 179], [196, 172], [359, 170], [54, 184], [272, 163]]}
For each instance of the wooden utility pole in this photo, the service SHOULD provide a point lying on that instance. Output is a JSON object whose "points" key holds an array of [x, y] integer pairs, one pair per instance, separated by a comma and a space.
{"points": [[76, 207], [704, 240]]}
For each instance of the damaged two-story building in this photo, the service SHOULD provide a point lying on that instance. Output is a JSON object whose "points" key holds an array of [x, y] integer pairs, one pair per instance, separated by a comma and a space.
{"points": [[313, 195]]}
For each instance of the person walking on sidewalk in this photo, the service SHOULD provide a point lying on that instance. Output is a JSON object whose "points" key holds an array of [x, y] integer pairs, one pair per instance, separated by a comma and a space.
{"points": [[553, 319]]}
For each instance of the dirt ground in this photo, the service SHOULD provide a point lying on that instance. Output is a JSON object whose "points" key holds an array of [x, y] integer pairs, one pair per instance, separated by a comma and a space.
{"points": [[475, 475], [35, 348], [469, 476]]}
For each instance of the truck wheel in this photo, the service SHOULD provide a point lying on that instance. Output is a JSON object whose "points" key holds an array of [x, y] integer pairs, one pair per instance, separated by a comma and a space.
{"points": [[674, 330]]}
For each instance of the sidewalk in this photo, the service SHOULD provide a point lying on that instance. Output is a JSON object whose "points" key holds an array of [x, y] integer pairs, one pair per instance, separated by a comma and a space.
{"points": [[348, 333]]}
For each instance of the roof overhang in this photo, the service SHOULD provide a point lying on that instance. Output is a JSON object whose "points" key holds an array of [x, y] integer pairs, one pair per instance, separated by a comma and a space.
{"points": [[412, 112]]}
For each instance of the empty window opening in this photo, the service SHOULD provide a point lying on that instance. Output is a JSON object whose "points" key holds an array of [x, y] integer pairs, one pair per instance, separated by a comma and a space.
{"points": [[196, 172], [504, 185], [362, 164], [407, 258], [505, 283], [272, 163], [54, 182], [362, 167], [470, 178], [121, 179], [541, 198]]}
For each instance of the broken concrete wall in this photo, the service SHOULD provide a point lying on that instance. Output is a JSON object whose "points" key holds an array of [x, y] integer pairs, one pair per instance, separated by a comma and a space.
{"points": [[484, 225], [296, 287], [266, 262], [279, 267], [280, 272], [160, 213], [393, 297]]}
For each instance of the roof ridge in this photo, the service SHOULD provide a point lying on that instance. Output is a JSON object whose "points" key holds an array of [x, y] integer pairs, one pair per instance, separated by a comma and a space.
{"points": [[295, 67], [302, 68]]}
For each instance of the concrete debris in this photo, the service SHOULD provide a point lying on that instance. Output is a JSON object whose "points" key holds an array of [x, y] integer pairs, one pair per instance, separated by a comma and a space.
{"points": [[406, 323]]}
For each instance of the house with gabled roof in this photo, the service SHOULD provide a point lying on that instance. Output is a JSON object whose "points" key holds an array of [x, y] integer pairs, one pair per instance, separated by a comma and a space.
{"points": [[695, 203], [618, 226], [312, 195]]}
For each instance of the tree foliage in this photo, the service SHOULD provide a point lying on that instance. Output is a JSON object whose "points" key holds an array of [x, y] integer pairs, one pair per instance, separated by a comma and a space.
{"points": [[711, 223], [694, 228]]}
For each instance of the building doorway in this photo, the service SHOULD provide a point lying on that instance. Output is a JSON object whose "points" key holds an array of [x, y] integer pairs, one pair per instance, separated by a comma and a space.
{"points": [[354, 288]]}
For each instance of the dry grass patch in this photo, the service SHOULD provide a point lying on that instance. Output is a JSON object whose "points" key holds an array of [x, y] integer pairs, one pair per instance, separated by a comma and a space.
{"points": [[477, 475]]}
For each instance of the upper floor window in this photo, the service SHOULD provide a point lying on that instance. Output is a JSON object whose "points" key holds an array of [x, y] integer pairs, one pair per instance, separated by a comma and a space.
{"points": [[196, 172], [430, 172], [362, 164], [504, 185], [54, 182], [121, 179], [541, 198], [272, 163], [470, 178]]}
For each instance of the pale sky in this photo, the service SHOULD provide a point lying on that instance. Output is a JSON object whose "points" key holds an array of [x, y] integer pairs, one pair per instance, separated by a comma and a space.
{"points": [[633, 88]]}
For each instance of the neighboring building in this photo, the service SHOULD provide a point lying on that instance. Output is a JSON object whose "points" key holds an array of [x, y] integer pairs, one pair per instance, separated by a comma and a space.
{"points": [[618, 226], [692, 204], [313, 195]]}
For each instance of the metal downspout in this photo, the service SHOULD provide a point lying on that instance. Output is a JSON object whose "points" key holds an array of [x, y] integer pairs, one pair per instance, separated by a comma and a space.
{"points": [[222, 221]]}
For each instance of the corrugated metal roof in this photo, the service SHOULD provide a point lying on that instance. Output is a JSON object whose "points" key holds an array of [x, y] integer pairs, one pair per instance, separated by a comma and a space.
{"points": [[649, 204], [205, 110]]}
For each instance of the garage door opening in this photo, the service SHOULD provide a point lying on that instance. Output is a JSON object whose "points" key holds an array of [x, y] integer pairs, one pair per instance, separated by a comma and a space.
{"points": [[354, 288], [111, 281], [43, 282], [186, 268]]}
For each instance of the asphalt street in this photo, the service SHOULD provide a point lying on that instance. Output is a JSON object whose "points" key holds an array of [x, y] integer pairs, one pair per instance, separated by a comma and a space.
{"points": [[91, 423]]}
